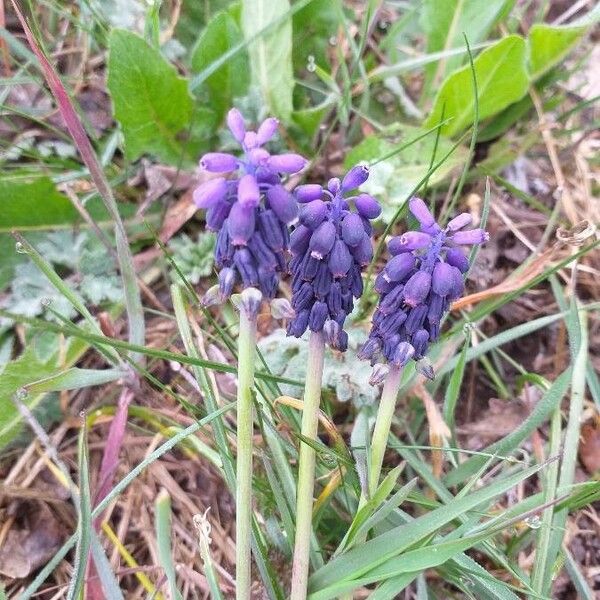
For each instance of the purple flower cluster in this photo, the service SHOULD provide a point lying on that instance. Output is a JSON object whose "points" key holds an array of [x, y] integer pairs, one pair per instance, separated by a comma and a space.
{"points": [[416, 286], [330, 247], [250, 210]]}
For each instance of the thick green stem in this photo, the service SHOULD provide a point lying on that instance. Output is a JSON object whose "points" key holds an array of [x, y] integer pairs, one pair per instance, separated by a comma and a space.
{"points": [[245, 423], [306, 471], [385, 413]]}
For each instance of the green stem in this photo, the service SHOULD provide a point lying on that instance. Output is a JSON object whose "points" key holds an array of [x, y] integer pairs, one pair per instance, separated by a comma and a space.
{"points": [[306, 470], [245, 427], [385, 413]]}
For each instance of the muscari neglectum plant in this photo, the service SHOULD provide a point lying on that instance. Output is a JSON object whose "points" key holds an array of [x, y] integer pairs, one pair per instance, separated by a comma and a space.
{"points": [[330, 247], [416, 287], [251, 212]]}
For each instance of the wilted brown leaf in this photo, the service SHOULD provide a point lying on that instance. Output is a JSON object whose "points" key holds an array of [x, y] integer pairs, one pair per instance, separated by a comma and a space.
{"points": [[27, 548], [589, 448]]}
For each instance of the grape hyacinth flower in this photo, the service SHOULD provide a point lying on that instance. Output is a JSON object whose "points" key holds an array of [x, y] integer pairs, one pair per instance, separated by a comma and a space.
{"points": [[416, 287], [249, 209], [330, 247]]}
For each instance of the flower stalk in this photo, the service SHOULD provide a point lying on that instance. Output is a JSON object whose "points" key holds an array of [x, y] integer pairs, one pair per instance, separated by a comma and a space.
{"points": [[383, 423], [306, 471], [245, 423]]}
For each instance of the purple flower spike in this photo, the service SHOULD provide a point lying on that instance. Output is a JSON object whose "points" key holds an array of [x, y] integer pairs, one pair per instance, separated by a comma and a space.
{"points": [[308, 192], [250, 211], [367, 206], [283, 204], [219, 162], [287, 163], [459, 222], [399, 267], [267, 130], [236, 125], [403, 353], [419, 209], [210, 193], [355, 177], [469, 238], [416, 287], [330, 248]]}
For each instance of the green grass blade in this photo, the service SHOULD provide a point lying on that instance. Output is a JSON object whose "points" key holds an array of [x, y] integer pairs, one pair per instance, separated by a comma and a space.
{"points": [[74, 379], [107, 578], [355, 563], [84, 526], [162, 509], [578, 337]]}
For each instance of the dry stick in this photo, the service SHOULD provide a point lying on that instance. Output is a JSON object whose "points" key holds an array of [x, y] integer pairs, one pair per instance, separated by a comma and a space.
{"points": [[567, 199], [306, 469]]}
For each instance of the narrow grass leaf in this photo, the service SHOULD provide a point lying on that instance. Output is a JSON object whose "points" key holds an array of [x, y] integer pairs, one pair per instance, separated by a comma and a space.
{"points": [[356, 562], [74, 379], [109, 582], [122, 485], [453, 388], [84, 526], [577, 324], [162, 508]]}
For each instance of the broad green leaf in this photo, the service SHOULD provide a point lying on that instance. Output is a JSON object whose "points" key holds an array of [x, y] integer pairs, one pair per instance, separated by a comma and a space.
{"points": [[270, 52], [358, 561], [151, 101], [501, 80], [220, 35], [23, 371], [548, 44], [392, 179], [446, 21], [30, 202]]}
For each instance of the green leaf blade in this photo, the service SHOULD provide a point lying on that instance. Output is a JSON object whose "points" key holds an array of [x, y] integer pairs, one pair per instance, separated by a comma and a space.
{"points": [[221, 34], [151, 101], [501, 77], [270, 53]]}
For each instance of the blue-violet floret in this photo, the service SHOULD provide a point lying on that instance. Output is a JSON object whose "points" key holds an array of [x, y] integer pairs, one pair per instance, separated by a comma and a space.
{"points": [[249, 209], [417, 285], [330, 247]]}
